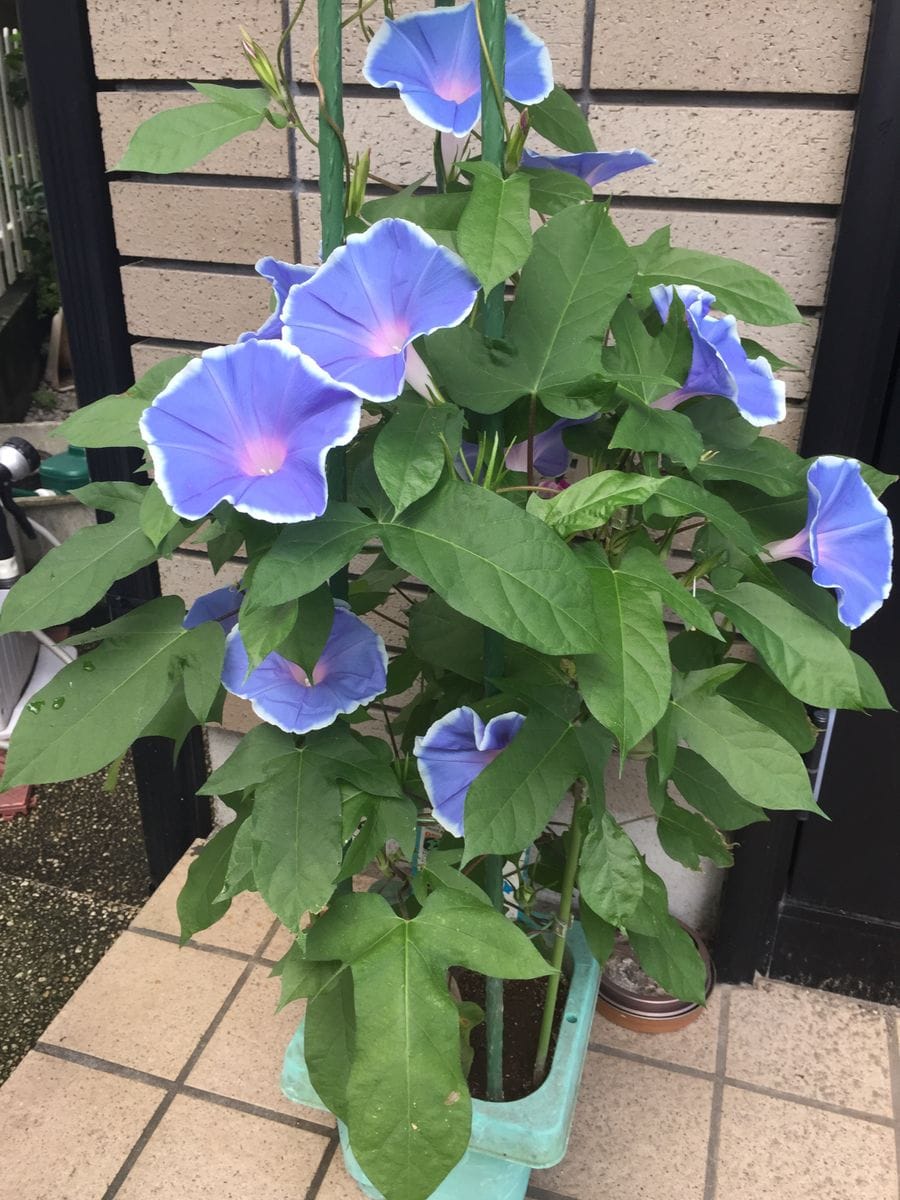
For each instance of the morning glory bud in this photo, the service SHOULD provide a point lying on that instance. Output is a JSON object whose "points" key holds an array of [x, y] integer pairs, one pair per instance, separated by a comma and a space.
{"points": [[847, 538]]}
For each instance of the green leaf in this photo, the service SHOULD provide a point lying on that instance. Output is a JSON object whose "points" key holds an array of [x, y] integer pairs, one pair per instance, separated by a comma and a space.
{"points": [[76, 575], [753, 349], [721, 425], [264, 626], [199, 905], [305, 640], [610, 871], [645, 367], [438, 215], [157, 519], [515, 796], [497, 564], [626, 682], [559, 119], [329, 1040], [302, 977], [802, 654], [666, 951], [687, 837], [255, 754], [766, 465], [591, 502], [296, 829], [643, 566], [577, 275], [242, 99], [113, 421], [599, 934], [239, 872], [384, 819], [494, 234], [871, 692], [764, 699], [409, 1141], [410, 451], [655, 429], [307, 554], [552, 191], [762, 767], [705, 789], [745, 292], [177, 138], [93, 710], [877, 480], [443, 638]]}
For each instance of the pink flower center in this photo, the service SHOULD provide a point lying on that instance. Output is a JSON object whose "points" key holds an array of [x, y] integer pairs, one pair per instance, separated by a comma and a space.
{"points": [[389, 338], [301, 676], [263, 456], [455, 88]]}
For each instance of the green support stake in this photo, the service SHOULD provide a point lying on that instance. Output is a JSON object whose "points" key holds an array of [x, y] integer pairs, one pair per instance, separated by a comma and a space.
{"points": [[492, 29], [331, 189]]}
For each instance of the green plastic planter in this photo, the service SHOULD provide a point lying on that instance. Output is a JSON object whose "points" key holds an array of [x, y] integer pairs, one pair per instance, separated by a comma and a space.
{"points": [[509, 1140]]}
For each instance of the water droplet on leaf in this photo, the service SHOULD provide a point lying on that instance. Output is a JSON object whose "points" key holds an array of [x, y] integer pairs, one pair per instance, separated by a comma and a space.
{"points": [[35, 706], [58, 702], [87, 665]]}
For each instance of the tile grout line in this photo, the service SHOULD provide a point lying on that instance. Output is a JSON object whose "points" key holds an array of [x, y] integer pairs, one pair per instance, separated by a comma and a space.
{"points": [[742, 1085], [893, 1040], [538, 1193], [315, 1184], [718, 1096], [175, 1086], [161, 936], [255, 1110]]}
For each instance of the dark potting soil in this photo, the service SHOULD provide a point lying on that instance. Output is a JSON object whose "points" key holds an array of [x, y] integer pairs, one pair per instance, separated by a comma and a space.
{"points": [[523, 1007]]}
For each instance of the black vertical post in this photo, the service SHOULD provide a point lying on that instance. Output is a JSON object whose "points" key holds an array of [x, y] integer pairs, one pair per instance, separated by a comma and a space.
{"points": [[57, 45]]}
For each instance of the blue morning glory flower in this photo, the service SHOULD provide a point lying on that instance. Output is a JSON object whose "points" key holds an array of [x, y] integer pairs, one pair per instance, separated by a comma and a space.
{"points": [[453, 752], [847, 538], [282, 276], [221, 605], [351, 671], [720, 366], [359, 312], [551, 457], [434, 59], [251, 424], [594, 167]]}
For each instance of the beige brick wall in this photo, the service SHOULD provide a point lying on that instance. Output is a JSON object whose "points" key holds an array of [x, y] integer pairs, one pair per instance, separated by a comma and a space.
{"points": [[746, 104]]}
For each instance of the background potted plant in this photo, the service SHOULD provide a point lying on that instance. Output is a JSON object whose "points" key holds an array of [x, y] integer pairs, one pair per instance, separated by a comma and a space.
{"points": [[483, 355]]}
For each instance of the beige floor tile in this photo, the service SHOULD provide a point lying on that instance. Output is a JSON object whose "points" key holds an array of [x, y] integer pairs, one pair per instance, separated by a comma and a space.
{"points": [[639, 1132], [810, 1043], [58, 1141], [243, 927], [280, 944], [772, 1149], [146, 1004], [243, 1057], [337, 1184], [202, 1150], [694, 1046]]}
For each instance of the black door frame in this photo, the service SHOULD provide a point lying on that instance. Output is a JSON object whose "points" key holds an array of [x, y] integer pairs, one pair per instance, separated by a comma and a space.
{"points": [[854, 409], [59, 60]]}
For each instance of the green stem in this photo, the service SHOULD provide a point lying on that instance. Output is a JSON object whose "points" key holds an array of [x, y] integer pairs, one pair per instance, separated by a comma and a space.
{"points": [[331, 187], [492, 29], [561, 928]]}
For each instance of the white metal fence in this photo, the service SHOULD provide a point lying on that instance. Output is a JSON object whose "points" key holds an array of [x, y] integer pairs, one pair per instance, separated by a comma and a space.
{"points": [[19, 170]]}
